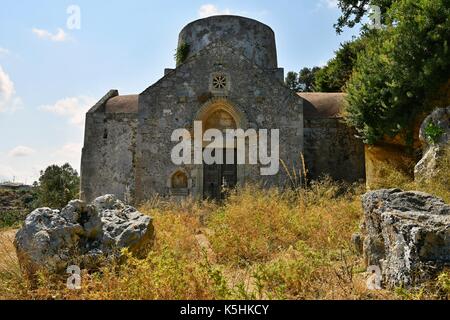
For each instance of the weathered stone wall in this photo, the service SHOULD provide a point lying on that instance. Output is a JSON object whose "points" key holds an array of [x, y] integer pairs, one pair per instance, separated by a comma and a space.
{"points": [[174, 102], [128, 145], [251, 38], [108, 155], [331, 148]]}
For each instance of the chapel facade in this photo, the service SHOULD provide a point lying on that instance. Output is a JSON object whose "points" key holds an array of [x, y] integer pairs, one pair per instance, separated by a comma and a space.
{"points": [[228, 78]]}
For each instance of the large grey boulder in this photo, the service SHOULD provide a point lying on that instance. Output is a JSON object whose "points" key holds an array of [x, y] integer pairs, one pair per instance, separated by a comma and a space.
{"points": [[433, 151], [407, 235], [82, 234]]}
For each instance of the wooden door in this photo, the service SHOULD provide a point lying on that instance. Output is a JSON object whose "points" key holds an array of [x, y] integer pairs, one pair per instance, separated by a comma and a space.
{"points": [[218, 176]]}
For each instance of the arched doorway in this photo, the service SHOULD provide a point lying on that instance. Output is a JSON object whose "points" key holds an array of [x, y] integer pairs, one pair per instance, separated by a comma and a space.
{"points": [[221, 115]]}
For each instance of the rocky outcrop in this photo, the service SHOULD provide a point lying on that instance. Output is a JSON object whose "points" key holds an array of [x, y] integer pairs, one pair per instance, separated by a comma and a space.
{"points": [[82, 234], [435, 137], [407, 235]]}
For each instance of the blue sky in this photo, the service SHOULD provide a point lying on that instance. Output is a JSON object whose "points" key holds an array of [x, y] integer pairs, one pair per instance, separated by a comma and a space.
{"points": [[50, 75]]}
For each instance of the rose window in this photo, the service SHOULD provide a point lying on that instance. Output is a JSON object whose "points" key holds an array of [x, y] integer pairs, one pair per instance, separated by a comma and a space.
{"points": [[220, 82]]}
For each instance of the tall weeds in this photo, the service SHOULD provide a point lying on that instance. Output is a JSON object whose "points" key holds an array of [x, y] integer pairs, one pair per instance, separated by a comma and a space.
{"points": [[258, 244]]}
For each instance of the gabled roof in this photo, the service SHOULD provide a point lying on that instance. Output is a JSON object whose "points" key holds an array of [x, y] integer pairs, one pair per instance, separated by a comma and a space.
{"points": [[214, 46], [320, 105]]}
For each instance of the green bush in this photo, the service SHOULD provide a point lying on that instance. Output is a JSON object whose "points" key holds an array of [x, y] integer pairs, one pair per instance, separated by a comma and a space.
{"points": [[57, 186], [335, 75], [433, 132], [182, 53], [401, 70], [12, 218]]}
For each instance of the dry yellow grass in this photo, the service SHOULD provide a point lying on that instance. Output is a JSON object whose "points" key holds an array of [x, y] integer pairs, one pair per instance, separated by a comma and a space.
{"points": [[438, 186], [259, 244]]}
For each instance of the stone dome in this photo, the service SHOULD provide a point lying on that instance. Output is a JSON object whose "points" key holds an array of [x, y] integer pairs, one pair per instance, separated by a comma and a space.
{"points": [[253, 39]]}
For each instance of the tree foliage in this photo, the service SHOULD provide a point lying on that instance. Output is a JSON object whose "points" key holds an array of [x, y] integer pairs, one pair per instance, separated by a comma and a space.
{"points": [[291, 80], [335, 75], [57, 186], [302, 81], [353, 11], [307, 79], [401, 69]]}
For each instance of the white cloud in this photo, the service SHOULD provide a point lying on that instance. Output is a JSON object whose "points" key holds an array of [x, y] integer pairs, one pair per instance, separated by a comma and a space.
{"points": [[4, 52], [330, 4], [27, 169], [73, 108], [21, 151], [6, 85], [208, 10], [8, 99], [59, 36], [69, 152]]}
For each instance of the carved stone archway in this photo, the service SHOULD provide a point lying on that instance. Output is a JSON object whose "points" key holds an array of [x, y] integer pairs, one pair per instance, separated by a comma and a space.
{"points": [[221, 114], [222, 104]]}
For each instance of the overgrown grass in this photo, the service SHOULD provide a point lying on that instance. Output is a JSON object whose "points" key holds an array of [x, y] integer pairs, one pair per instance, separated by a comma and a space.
{"points": [[438, 186], [259, 244], [12, 218], [14, 207]]}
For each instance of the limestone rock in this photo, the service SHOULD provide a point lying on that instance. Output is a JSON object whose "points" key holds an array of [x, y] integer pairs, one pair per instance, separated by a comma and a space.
{"points": [[81, 234], [428, 166], [407, 235]]}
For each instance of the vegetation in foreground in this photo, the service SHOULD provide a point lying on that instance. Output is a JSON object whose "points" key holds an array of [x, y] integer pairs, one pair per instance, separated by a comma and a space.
{"points": [[57, 185], [394, 74], [259, 244], [14, 206]]}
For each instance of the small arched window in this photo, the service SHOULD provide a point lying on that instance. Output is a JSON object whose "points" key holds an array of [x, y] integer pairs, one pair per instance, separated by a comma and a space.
{"points": [[179, 180], [179, 184]]}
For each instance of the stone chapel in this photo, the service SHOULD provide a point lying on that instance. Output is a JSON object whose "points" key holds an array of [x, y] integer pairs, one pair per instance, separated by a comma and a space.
{"points": [[228, 78]]}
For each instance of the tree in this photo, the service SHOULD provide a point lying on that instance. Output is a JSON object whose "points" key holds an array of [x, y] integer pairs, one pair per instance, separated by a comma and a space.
{"points": [[292, 80], [335, 75], [302, 81], [353, 11], [307, 78], [401, 70], [57, 186]]}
